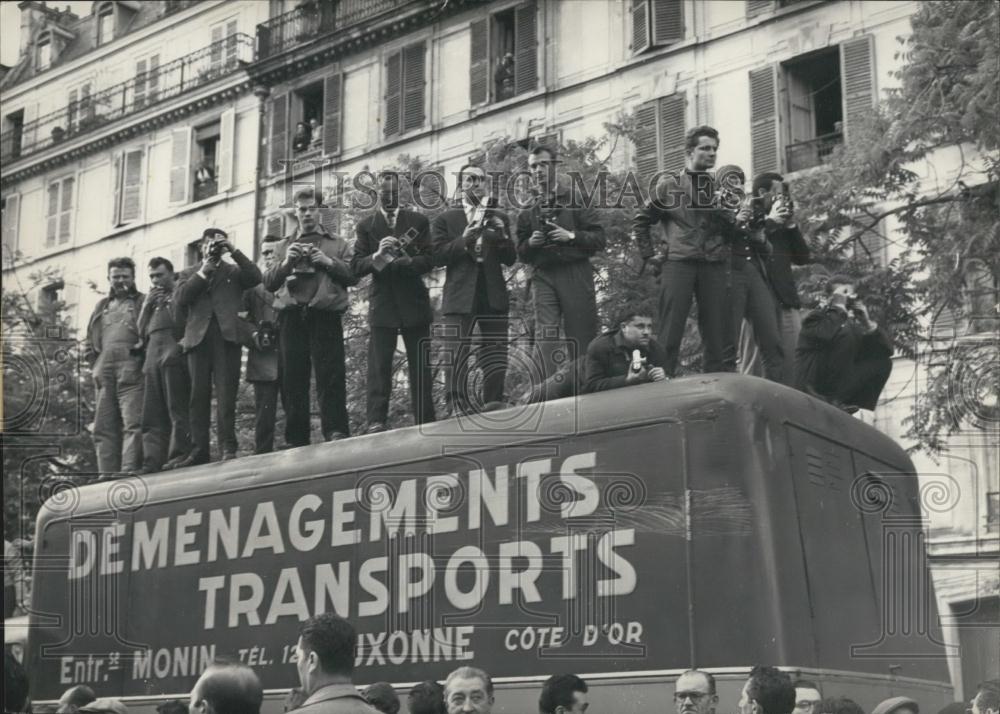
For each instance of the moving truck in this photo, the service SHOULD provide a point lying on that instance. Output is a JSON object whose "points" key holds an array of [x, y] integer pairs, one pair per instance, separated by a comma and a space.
{"points": [[715, 521]]}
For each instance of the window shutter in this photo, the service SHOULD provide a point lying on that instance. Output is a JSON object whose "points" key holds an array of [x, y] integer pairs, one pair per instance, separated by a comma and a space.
{"points": [[227, 132], [116, 210], [11, 216], [332, 101], [479, 72], [393, 93], [668, 21], [275, 226], [216, 52], [278, 140], [153, 79], [140, 83], [86, 106], [132, 186], [857, 73], [763, 121], [758, 7], [66, 211], [72, 111], [640, 26], [329, 218], [52, 215], [180, 169], [672, 110], [231, 44], [414, 60], [525, 48], [646, 160]]}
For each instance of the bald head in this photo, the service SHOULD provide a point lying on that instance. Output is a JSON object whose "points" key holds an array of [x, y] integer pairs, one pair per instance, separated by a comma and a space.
{"points": [[227, 688], [74, 698]]}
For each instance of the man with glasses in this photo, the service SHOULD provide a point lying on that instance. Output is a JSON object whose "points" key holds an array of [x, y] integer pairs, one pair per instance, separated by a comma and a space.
{"points": [[807, 697], [694, 693], [468, 689]]}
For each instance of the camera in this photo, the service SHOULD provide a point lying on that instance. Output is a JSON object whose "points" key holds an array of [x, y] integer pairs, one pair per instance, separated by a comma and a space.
{"points": [[266, 336], [303, 265], [215, 249]]}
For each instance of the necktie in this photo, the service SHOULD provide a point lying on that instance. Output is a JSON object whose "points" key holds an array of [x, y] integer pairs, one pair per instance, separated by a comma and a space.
{"points": [[390, 217]]}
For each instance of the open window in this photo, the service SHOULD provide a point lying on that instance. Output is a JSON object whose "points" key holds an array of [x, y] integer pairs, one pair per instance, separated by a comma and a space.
{"points": [[504, 54], [59, 211], [814, 107], [13, 134], [201, 159], [206, 169], [307, 118]]}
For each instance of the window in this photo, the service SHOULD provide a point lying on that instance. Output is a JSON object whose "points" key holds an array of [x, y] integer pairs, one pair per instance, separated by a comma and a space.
{"points": [[80, 113], [128, 186], [206, 144], [224, 47], [504, 54], [10, 206], [13, 134], [317, 106], [49, 295], [147, 80], [802, 109], [659, 142], [105, 23], [201, 160], [993, 512], [44, 49], [192, 254], [59, 212], [307, 112], [656, 23], [404, 100]]}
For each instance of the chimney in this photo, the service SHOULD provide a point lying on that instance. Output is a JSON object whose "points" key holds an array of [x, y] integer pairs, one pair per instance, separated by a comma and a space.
{"points": [[33, 14]]}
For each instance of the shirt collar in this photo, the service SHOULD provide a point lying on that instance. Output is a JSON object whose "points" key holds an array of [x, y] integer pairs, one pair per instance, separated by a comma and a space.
{"points": [[331, 691]]}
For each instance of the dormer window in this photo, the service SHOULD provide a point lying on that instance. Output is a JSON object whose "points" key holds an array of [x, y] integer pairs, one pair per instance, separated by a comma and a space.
{"points": [[106, 23], [44, 47]]}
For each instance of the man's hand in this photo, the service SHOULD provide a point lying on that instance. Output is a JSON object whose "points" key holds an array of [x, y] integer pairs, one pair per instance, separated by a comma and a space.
{"points": [[657, 374], [386, 245], [634, 377], [780, 212], [745, 212], [293, 253], [208, 266], [403, 259], [655, 264], [862, 317], [559, 234], [227, 247], [318, 257], [537, 239]]}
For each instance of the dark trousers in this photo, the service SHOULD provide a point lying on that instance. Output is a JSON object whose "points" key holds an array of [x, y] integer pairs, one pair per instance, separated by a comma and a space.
{"points": [[680, 282], [845, 373], [751, 297], [563, 295], [312, 340], [166, 426], [265, 396], [214, 362], [381, 349]]}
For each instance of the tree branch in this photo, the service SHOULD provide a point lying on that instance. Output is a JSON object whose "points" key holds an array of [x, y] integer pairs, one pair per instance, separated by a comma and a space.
{"points": [[878, 218]]}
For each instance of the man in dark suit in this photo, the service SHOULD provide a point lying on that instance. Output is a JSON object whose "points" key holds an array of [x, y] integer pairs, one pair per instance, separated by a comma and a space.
{"points": [[262, 358], [211, 294], [626, 355], [399, 301], [473, 241]]}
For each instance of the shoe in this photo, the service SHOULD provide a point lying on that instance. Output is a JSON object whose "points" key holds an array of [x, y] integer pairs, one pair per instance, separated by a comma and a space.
{"points": [[229, 456], [146, 470], [377, 427], [191, 460], [172, 463], [335, 436]]}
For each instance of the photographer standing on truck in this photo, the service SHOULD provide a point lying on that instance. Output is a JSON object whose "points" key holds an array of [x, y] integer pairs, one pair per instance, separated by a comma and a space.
{"points": [[211, 295], [309, 279], [262, 360], [842, 356], [394, 247]]}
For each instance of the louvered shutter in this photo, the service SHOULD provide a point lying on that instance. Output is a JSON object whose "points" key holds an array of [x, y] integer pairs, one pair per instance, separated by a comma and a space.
{"points": [[66, 211], [393, 93], [857, 73], [226, 155], [140, 83], [275, 226], [329, 218], [672, 127], [116, 211], [11, 216], [131, 193], [86, 106], [414, 60], [52, 215], [763, 121], [215, 54], [668, 21], [479, 71], [231, 44], [640, 26], [646, 158], [758, 7], [72, 111], [153, 79], [180, 165], [332, 102], [525, 48], [278, 139]]}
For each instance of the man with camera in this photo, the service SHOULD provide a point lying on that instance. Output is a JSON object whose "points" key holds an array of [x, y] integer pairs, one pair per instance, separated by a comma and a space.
{"points": [[473, 240], [309, 279], [166, 427], [393, 246], [842, 356], [262, 359], [114, 351], [626, 355], [557, 239], [211, 295]]}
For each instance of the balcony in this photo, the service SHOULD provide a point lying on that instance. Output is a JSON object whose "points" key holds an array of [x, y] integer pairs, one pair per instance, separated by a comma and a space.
{"points": [[814, 152], [92, 111], [316, 18]]}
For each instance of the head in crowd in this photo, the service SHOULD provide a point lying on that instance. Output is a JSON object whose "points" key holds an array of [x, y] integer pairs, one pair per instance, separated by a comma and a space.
{"points": [[807, 697], [268, 246], [563, 694], [104, 705], [15, 683], [542, 163], [307, 204], [227, 688], [295, 699], [701, 145], [987, 699], [209, 236], [161, 273], [841, 285], [897, 705], [730, 179], [383, 697], [765, 182], [468, 689], [74, 698], [301, 129], [426, 698], [472, 182], [768, 690], [694, 693], [121, 275], [837, 705], [174, 706], [388, 190], [635, 324], [325, 651]]}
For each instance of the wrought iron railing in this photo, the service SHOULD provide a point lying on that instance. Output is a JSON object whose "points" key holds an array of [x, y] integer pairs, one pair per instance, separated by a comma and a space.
{"points": [[814, 152], [93, 110], [314, 19]]}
